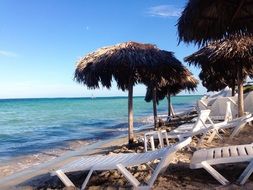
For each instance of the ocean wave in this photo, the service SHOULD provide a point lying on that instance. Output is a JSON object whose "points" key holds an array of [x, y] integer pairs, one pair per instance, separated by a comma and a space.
{"points": [[122, 129]]}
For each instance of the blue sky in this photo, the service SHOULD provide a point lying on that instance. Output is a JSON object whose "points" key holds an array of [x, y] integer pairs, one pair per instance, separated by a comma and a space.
{"points": [[40, 41]]}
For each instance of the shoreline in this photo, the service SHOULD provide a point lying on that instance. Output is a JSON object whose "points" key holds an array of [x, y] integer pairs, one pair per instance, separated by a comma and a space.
{"points": [[19, 163]]}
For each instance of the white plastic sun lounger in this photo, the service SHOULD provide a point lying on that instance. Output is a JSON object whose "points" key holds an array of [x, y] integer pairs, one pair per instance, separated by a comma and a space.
{"points": [[224, 155], [181, 132], [211, 130], [221, 108], [187, 130], [120, 162], [236, 125], [201, 121], [203, 126]]}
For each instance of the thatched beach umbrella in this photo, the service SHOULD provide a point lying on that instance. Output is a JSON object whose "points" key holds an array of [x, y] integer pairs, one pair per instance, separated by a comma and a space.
{"points": [[215, 78], [128, 63], [157, 93], [235, 54], [165, 89], [204, 21]]}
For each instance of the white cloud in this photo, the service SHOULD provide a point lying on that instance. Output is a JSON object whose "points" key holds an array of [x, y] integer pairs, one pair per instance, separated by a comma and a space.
{"points": [[164, 11], [87, 28], [7, 53]]}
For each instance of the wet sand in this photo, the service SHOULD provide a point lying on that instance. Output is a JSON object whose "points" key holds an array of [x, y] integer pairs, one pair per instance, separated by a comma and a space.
{"points": [[23, 162]]}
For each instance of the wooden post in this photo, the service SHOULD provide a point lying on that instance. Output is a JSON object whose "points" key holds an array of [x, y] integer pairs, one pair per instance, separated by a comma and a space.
{"points": [[233, 90], [172, 111], [233, 87], [240, 92], [154, 107], [168, 98], [130, 115]]}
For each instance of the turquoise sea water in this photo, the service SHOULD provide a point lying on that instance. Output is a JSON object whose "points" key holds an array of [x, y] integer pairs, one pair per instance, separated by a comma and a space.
{"points": [[31, 125]]}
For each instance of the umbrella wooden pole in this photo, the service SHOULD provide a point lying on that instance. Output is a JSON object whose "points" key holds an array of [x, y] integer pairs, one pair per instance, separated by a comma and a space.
{"points": [[168, 98], [240, 92], [130, 115], [172, 110], [233, 88], [154, 107]]}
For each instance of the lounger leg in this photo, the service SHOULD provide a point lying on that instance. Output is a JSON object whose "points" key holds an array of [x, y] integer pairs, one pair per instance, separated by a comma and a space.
{"points": [[219, 136], [86, 179], [211, 136], [65, 180], [128, 175], [213, 133], [236, 131], [160, 168], [224, 131], [214, 173], [167, 139], [145, 143], [160, 139], [246, 173], [152, 142]]}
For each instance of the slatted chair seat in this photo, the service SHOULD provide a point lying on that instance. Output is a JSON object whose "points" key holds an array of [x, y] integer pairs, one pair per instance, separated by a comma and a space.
{"points": [[105, 162], [120, 162], [224, 155]]}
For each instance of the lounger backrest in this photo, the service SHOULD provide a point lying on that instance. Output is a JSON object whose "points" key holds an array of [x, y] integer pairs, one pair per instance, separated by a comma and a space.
{"points": [[220, 108], [201, 120], [245, 119], [167, 158], [201, 105], [228, 114], [240, 120]]}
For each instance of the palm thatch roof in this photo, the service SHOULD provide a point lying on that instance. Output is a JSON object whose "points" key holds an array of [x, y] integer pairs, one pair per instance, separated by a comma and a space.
{"points": [[128, 63], [232, 52], [220, 60], [217, 79], [163, 88], [203, 21]]}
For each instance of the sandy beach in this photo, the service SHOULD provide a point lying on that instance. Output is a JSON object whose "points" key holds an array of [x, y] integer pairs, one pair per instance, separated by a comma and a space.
{"points": [[177, 176]]}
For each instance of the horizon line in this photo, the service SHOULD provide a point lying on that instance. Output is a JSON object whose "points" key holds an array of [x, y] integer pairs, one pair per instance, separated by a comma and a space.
{"points": [[85, 97]]}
